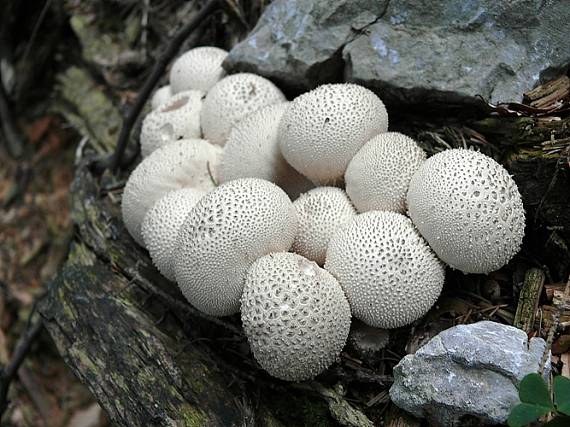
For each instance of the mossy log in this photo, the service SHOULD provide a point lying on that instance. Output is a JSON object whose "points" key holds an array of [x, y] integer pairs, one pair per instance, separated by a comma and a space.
{"points": [[147, 356]]}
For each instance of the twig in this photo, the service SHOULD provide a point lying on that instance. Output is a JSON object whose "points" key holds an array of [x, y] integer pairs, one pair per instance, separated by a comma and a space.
{"points": [[36, 29], [14, 143], [144, 27], [558, 308], [8, 373], [154, 77]]}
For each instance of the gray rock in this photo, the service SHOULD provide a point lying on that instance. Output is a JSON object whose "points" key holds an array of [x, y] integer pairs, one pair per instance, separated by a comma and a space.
{"points": [[298, 43], [467, 371], [411, 51]]}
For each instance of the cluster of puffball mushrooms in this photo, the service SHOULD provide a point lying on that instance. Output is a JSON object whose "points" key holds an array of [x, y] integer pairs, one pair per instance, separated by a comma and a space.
{"points": [[302, 214]]}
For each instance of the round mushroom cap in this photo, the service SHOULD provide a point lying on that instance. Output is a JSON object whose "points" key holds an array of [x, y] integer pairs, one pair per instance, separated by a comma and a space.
{"points": [[180, 164], [252, 151], [323, 129], [367, 341], [468, 208], [224, 234], [161, 224], [161, 95], [198, 69], [378, 176], [178, 118], [389, 274], [295, 316], [233, 98], [321, 212]]}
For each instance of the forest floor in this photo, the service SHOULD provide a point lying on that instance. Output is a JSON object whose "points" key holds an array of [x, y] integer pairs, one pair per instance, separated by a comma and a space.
{"points": [[35, 231]]}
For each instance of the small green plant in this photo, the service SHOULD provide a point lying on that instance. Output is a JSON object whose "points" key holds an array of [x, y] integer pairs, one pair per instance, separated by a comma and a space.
{"points": [[536, 402]]}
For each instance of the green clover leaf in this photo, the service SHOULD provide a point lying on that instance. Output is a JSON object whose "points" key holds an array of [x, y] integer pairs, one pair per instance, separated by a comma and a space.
{"points": [[562, 394]]}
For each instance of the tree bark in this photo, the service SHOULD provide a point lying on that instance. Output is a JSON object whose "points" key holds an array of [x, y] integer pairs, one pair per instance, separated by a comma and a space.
{"points": [[147, 356]]}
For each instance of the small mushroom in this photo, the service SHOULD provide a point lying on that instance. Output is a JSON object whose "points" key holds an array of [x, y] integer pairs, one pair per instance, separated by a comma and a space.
{"points": [[228, 229], [378, 176], [198, 69], [161, 224], [233, 98], [323, 129], [161, 96], [295, 316], [178, 118], [321, 212], [180, 164], [252, 151], [468, 208], [388, 272]]}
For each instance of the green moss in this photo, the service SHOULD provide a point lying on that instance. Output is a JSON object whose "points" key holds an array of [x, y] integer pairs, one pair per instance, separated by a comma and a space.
{"points": [[88, 108], [299, 410], [192, 416], [102, 48]]}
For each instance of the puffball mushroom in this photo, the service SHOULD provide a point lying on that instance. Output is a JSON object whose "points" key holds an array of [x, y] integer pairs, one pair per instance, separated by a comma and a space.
{"points": [[378, 176], [321, 212], [161, 95], [323, 129], [178, 118], [295, 316], [180, 164], [389, 274], [228, 229], [161, 224], [468, 208], [198, 69], [252, 151], [233, 98]]}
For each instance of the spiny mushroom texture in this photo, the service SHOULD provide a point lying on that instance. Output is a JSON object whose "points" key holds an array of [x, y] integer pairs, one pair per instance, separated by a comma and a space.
{"points": [[224, 234], [295, 316], [199, 69], [388, 272], [321, 212], [178, 118], [180, 164], [252, 151], [378, 176], [161, 224], [468, 208], [323, 129], [233, 98]]}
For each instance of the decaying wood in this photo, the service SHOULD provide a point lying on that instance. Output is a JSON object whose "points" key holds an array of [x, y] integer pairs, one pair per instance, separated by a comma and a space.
{"points": [[395, 417], [550, 93], [528, 299], [148, 357]]}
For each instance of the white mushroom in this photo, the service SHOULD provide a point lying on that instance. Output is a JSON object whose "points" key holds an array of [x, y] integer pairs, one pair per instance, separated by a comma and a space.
{"points": [[161, 95], [180, 164], [161, 224], [468, 208], [178, 118], [321, 212], [233, 98], [252, 151], [295, 316], [378, 176], [198, 69], [388, 272], [323, 129], [224, 234]]}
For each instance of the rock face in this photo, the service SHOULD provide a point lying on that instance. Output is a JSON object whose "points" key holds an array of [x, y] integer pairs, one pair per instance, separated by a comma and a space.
{"points": [[410, 51], [466, 371]]}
